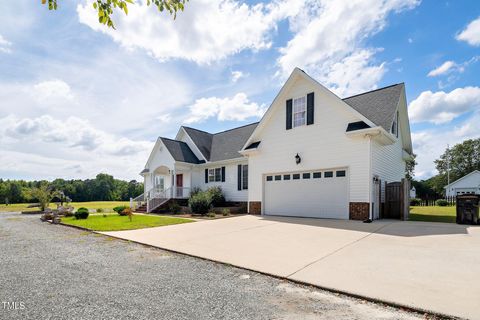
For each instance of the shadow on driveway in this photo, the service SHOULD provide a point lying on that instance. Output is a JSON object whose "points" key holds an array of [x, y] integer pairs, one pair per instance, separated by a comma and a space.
{"points": [[384, 226]]}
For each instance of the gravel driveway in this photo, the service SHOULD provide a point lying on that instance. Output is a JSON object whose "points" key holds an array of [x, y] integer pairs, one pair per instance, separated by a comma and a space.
{"points": [[64, 273]]}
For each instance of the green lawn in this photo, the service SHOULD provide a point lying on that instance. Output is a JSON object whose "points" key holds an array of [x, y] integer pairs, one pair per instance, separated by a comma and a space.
{"points": [[105, 205], [115, 222], [433, 214]]}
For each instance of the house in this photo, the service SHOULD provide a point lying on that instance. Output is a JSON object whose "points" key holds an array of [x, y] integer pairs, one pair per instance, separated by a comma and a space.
{"points": [[469, 183], [413, 192], [312, 154]]}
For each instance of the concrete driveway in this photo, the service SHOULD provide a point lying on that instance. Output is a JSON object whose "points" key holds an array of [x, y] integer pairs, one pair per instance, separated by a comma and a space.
{"points": [[429, 266]]}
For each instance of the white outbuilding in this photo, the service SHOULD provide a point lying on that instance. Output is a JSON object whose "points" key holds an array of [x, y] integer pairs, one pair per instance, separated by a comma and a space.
{"points": [[469, 183]]}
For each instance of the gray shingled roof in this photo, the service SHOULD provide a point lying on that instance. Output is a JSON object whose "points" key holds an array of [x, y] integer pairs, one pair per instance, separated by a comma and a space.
{"points": [[223, 145], [202, 139], [180, 151], [379, 105], [226, 144]]}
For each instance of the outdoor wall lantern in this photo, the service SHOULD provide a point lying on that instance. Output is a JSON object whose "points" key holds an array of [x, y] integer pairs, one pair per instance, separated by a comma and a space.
{"points": [[298, 159]]}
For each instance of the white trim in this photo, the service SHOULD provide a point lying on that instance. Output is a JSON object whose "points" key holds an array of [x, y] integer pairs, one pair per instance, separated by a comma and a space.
{"points": [[474, 171], [193, 141], [300, 73]]}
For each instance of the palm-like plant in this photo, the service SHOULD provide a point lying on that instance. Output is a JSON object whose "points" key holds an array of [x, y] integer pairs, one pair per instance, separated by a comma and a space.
{"points": [[44, 194]]}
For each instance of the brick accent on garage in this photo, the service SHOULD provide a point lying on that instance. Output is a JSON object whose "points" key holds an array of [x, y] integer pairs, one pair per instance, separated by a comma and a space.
{"points": [[359, 210], [255, 207]]}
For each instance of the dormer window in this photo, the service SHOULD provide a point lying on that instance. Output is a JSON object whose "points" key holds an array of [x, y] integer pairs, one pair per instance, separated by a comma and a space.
{"points": [[299, 111]]}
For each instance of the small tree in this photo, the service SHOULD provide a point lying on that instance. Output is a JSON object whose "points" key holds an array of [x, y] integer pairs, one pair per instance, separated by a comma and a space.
{"points": [[43, 194], [410, 167], [105, 8]]}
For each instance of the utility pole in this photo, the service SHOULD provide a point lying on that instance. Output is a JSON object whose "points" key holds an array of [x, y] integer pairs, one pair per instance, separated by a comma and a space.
{"points": [[448, 164]]}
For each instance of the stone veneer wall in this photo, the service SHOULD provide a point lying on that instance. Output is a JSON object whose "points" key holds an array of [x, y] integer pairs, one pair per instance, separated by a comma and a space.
{"points": [[359, 210], [255, 207]]}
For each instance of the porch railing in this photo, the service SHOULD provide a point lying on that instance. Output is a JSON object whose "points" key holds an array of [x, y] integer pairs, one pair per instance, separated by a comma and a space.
{"points": [[156, 196], [137, 201]]}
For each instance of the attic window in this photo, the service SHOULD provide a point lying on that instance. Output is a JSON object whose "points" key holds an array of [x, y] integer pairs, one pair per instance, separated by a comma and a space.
{"points": [[299, 111], [394, 129]]}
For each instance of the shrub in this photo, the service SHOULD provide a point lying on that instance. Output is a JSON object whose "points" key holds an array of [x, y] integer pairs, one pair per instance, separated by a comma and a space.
{"points": [[119, 209], [216, 196], [195, 190], [199, 203], [174, 208], [100, 210], [125, 212], [441, 203], [211, 214], [82, 213], [226, 212], [415, 202], [104, 215]]}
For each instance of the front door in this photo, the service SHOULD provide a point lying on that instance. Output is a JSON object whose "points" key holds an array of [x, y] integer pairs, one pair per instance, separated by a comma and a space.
{"points": [[179, 181]]}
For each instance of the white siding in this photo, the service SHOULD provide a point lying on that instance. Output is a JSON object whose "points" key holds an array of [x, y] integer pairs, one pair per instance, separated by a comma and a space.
{"points": [[229, 187], [159, 157], [387, 162], [322, 145], [470, 183]]}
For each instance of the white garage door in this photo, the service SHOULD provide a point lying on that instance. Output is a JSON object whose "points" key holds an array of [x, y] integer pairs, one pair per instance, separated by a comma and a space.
{"points": [[317, 194]]}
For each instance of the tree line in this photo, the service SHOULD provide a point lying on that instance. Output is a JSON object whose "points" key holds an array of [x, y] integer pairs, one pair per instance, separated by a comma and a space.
{"points": [[103, 188], [459, 160]]}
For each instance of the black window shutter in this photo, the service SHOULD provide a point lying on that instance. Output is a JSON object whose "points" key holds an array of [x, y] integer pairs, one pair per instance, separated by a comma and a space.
{"points": [[310, 108], [289, 114], [223, 174], [206, 175], [239, 178]]}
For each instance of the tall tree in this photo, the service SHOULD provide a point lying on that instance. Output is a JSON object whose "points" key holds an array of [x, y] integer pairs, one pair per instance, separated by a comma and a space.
{"points": [[461, 159], [105, 8]]}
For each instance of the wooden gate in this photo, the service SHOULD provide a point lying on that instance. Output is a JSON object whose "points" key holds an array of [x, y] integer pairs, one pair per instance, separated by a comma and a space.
{"points": [[397, 200], [393, 200]]}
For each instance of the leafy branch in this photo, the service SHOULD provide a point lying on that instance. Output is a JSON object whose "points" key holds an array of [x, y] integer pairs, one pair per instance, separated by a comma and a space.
{"points": [[105, 8]]}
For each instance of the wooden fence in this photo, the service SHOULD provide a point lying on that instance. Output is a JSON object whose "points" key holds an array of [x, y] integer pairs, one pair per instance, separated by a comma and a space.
{"points": [[430, 201]]}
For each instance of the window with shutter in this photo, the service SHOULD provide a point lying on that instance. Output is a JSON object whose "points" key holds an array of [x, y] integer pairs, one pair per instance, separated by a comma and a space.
{"points": [[299, 112]]}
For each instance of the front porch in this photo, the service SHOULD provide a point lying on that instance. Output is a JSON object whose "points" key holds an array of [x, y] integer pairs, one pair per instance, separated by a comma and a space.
{"points": [[165, 183]]}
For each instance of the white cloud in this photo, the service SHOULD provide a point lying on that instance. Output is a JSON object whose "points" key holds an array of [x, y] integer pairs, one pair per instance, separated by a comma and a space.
{"points": [[206, 31], [5, 45], [471, 34], [52, 89], [331, 38], [429, 144], [443, 69], [353, 74], [441, 107], [237, 75], [449, 67], [237, 108], [70, 147]]}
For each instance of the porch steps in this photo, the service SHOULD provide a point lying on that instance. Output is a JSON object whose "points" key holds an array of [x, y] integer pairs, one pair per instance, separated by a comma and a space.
{"points": [[141, 209]]}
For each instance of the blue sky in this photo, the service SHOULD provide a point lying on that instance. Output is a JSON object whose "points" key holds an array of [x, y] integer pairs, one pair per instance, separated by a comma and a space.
{"points": [[77, 98]]}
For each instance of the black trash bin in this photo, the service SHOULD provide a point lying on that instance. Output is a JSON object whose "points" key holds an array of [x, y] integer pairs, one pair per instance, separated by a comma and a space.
{"points": [[467, 209]]}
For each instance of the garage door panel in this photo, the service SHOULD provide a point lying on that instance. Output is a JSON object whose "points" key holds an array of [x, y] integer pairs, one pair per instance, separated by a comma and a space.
{"points": [[319, 197]]}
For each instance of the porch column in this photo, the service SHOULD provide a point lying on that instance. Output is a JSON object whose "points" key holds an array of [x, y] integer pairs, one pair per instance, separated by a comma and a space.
{"points": [[174, 177]]}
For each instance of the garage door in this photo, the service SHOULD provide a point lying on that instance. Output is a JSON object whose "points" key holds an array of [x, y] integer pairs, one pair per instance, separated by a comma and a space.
{"points": [[317, 194]]}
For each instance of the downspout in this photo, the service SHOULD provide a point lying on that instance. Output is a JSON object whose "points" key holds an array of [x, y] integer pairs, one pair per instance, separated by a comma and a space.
{"points": [[370, 215]]}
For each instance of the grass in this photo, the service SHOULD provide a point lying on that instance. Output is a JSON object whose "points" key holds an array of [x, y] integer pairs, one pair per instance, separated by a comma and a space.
{"points": [[433, 214], [105, 205], [115, 222]]}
